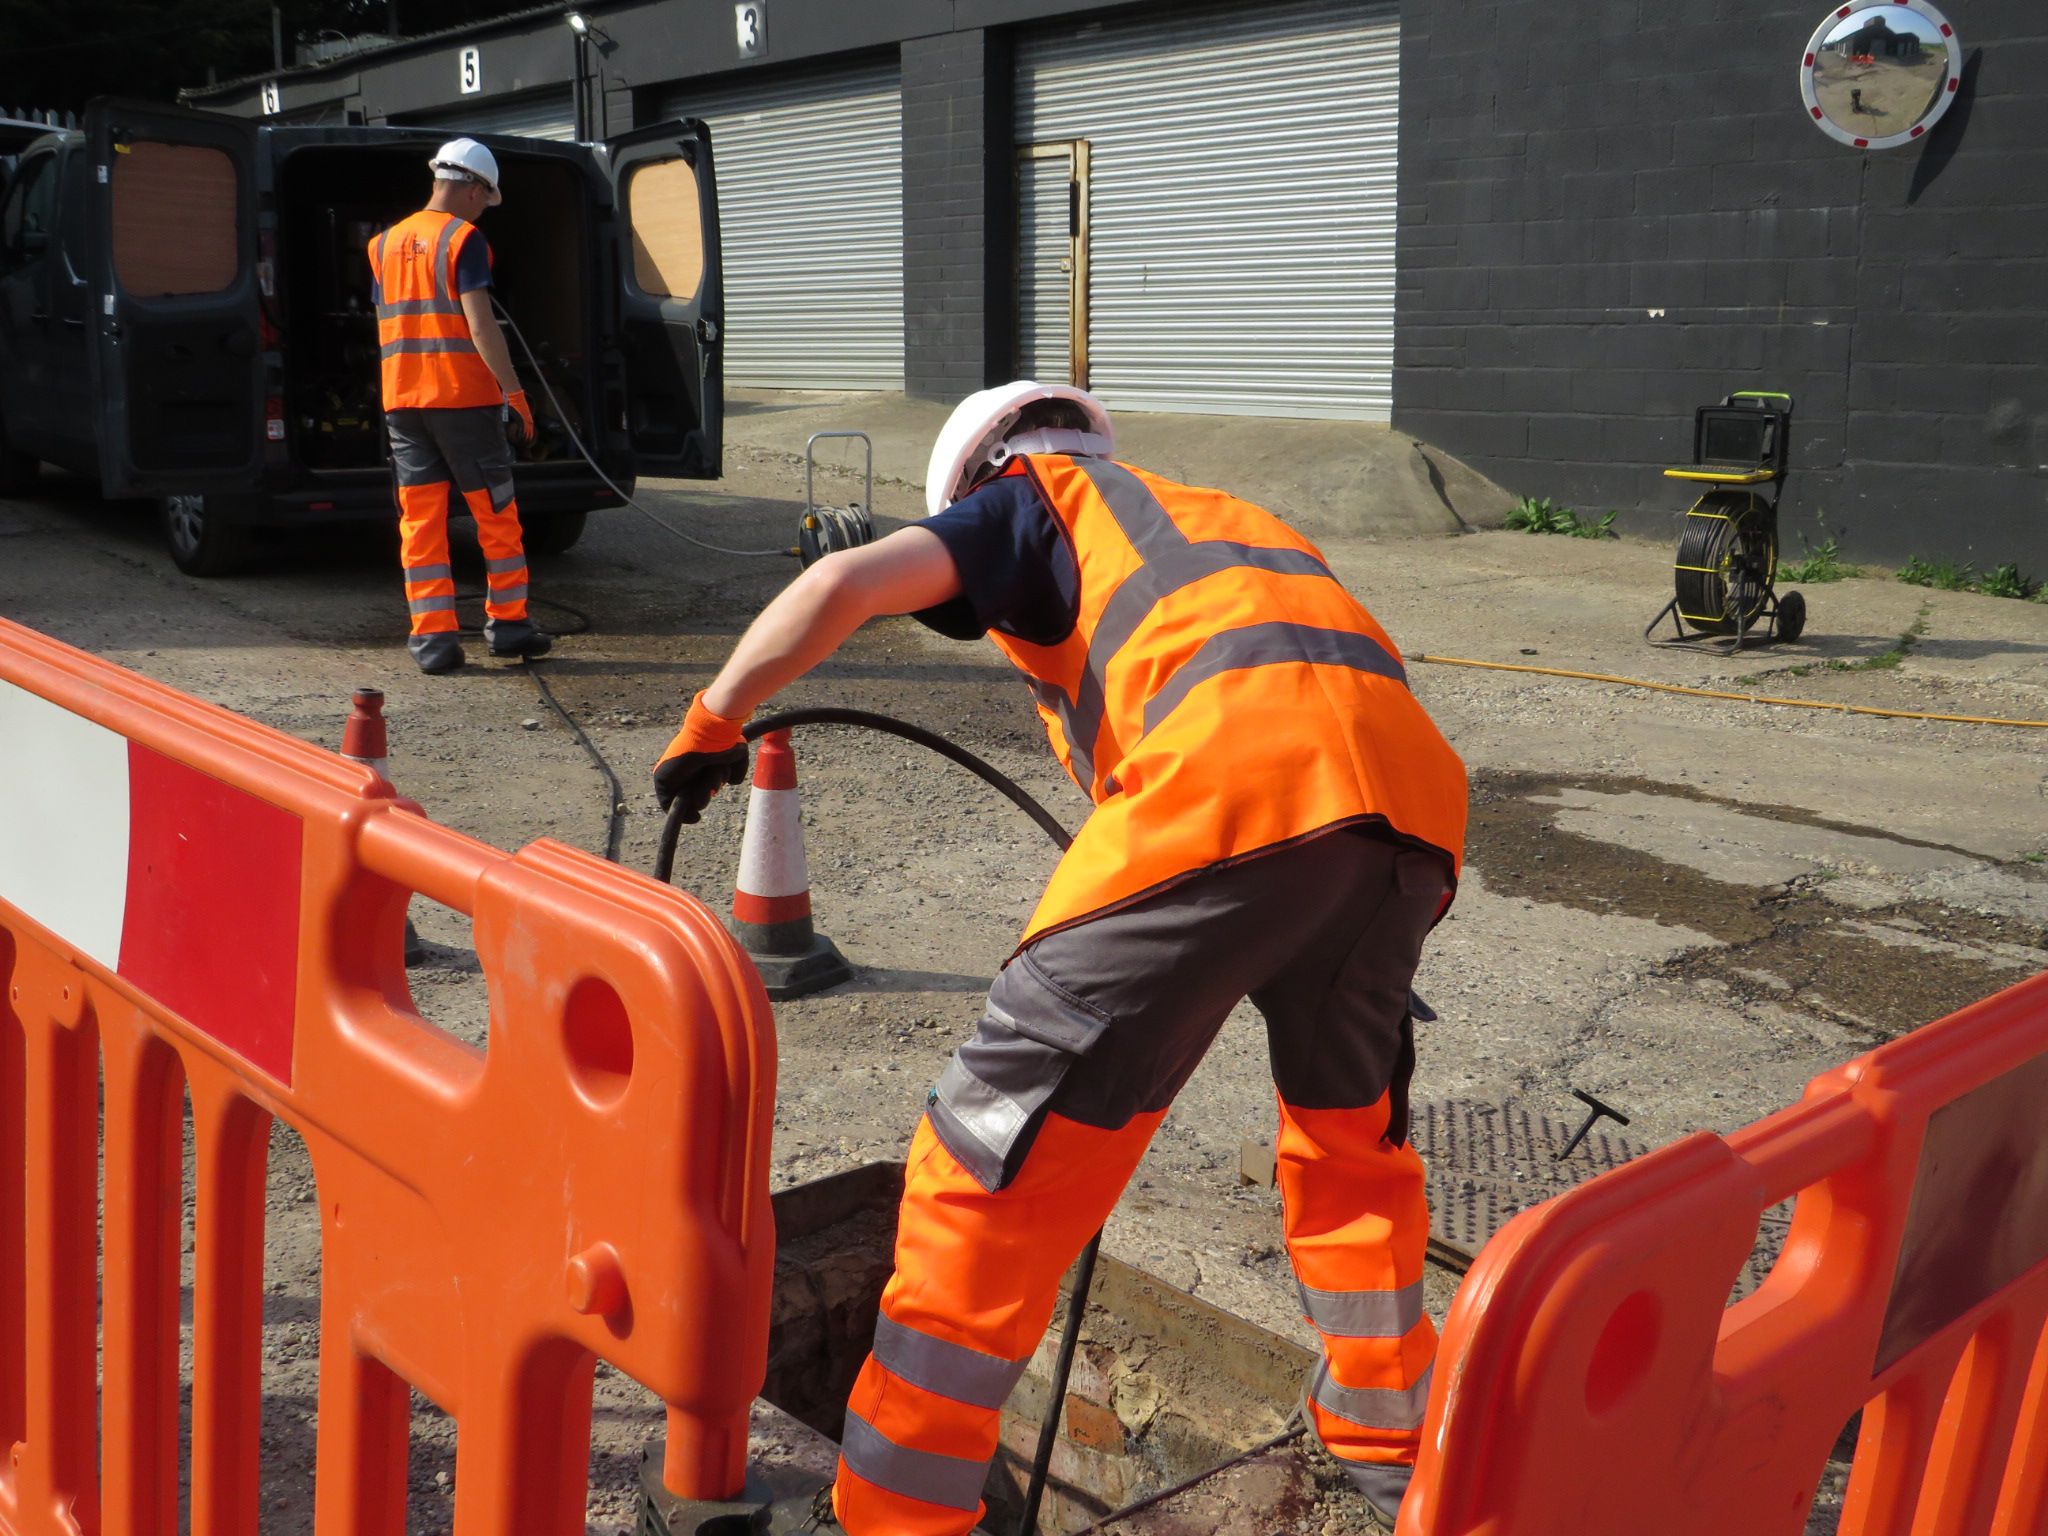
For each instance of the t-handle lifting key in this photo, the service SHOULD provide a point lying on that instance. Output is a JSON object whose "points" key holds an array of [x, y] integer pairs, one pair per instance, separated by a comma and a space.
{"points": [[1599, 1110]]}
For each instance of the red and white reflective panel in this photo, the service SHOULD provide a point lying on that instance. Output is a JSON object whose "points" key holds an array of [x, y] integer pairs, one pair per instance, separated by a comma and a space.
{"points": [[774, 883], [184, 886]]}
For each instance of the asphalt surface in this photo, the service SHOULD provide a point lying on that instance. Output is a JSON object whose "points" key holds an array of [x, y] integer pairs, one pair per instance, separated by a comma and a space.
{"points": [[1685, 906]]}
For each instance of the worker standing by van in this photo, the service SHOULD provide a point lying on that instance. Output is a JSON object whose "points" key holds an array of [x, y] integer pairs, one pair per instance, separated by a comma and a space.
{"points": [[1275, 817], [446, 375]]}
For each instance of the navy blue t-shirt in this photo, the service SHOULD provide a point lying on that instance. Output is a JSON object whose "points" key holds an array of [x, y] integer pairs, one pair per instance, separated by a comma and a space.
{"points": [[1017, 570], [473, 264]]}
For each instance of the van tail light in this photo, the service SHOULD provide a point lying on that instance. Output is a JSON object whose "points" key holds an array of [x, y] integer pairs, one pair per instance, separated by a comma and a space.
{"points": [[273, 418]]}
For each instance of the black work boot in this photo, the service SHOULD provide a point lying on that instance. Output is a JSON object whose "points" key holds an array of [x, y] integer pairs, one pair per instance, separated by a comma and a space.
{"points": [[436, 653], [516, 637]]}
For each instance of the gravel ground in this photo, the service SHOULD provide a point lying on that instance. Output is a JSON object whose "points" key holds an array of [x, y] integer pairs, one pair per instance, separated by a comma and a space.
{"points": [[1686, 906]]}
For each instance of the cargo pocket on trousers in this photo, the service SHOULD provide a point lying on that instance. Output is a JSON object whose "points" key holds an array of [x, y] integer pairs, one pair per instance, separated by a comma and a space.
{"points": [[992, 1096]]}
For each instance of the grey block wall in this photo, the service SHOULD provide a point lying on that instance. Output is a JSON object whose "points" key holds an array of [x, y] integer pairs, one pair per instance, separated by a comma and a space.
{"points": [[1612, 212], [956, 213]]}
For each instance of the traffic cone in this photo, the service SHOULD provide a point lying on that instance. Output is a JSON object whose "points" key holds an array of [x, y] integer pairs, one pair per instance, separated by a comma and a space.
{"points": [[771, 907], [363, 741]]}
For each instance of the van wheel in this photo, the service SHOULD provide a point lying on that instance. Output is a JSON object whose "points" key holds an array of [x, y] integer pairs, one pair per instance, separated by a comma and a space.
{"points": [[553, 533], [200, 542]]}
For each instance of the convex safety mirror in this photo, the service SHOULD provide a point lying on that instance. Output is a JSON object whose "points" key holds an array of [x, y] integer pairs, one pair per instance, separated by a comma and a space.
{"points": [[1880, 73]]}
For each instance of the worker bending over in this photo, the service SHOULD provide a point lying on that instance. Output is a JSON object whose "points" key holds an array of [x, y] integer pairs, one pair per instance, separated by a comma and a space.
{"points": [[1275, 818], [446, 374]]}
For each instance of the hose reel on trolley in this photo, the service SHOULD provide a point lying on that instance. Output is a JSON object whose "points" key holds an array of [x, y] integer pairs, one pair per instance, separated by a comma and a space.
{"points": [[1725, 572]]}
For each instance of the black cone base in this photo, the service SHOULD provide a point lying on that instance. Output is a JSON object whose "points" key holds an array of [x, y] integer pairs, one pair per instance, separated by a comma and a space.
{"points": [[814, 968]]}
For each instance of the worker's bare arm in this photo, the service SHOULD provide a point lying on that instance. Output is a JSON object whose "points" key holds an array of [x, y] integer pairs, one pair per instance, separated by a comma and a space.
{"points": [[814, 614], [489, 337]]}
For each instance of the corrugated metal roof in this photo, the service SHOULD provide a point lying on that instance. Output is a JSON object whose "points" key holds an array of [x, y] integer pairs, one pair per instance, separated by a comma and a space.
{"points": [[349, 61]]}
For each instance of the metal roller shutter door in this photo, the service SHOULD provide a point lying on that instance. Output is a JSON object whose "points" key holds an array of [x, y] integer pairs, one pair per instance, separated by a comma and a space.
{"points": [[810, 209], [542, 115], [1241, 202]]}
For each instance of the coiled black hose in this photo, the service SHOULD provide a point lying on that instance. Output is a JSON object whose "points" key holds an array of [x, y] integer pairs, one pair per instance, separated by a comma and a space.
{"points": [[1084, 1267]]}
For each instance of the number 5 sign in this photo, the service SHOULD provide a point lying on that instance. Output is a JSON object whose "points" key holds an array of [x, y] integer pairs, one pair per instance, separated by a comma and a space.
{"points": [[472, 71], [751, 23]]}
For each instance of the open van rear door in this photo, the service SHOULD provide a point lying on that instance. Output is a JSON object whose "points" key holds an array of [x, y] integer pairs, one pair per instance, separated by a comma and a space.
{"points": [[671, 298], [177, 353]]}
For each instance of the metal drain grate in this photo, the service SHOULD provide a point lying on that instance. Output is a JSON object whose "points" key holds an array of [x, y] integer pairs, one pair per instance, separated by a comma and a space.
{"points": [[1488, 1161]]}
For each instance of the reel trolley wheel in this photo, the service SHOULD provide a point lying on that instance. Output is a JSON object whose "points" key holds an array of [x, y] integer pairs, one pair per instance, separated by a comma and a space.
{"points": [[1726, 568], [826, 530]]}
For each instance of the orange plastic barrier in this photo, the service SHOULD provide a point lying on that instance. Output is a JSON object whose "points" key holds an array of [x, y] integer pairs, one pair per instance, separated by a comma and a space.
{"points": [[1594, 1379], [190, 900]]}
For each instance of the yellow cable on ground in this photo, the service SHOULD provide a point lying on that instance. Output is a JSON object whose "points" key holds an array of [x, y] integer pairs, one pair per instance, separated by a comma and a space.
{"points": [[1717, 693]]}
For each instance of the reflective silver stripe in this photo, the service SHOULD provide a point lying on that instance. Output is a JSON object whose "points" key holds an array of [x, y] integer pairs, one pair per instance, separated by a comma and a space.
{"points": [[1170, 562], [1080, 747], [984, 1111], [399, 307], [1144, 589], [1149, 526], [504, 563], [951, 1370], [1372, 1407], [427, 344], [951, 1481], [443, 604], [1265, 645], [507, 594], [501, 495], [444, 258], [429, 573], [1363, 1314]]}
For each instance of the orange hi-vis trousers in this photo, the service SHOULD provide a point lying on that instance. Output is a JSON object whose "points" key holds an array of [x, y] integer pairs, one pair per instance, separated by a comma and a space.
{"points": [[1038, 1122], [432, 450]]}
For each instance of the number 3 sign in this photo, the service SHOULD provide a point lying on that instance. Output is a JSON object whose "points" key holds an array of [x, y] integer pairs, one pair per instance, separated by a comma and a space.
{"points": [[751, 23]]}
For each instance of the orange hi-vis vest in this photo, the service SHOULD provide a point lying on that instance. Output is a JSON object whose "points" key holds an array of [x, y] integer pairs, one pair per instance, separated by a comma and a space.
{"points": [[1220, 695], [429, 357]]}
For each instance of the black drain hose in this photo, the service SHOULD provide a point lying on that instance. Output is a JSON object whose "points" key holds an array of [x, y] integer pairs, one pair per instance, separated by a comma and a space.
{"points": [[1084, 1267]]}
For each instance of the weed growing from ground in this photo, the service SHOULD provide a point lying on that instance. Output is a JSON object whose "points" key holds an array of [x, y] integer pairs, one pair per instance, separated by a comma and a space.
{"points": [[1822, 562], [1883, 661], [1942, 575], [1541, 515], [2006, 580]]}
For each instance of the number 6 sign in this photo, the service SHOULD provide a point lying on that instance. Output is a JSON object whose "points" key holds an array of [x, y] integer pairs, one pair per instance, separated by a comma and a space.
{"points": [[751, 23]]}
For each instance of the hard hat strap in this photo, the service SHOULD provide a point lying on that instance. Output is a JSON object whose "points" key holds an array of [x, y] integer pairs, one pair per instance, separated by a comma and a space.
{"points": [[1084, 445]]}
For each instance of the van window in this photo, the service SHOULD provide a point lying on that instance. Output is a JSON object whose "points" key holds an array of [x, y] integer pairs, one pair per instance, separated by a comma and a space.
{"points": [[31, 208], [668, 228], [175, 219]]}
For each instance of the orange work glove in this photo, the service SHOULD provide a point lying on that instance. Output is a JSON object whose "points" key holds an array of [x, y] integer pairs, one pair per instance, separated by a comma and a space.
{"points": [[520, 409], [707, 754]]}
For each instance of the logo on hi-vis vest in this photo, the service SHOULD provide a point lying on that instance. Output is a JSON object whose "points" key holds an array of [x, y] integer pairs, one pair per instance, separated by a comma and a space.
{"points": [[414, 248]]}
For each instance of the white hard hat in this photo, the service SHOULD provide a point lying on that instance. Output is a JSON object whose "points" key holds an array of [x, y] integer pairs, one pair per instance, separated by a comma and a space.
{"points": [[467, 160], [982, 430]]}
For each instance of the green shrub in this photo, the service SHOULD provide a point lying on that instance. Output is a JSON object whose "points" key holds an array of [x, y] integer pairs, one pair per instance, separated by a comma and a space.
{"points": [[1541, 515], [2008, 580], [1821, 563], [1943, 575]]}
